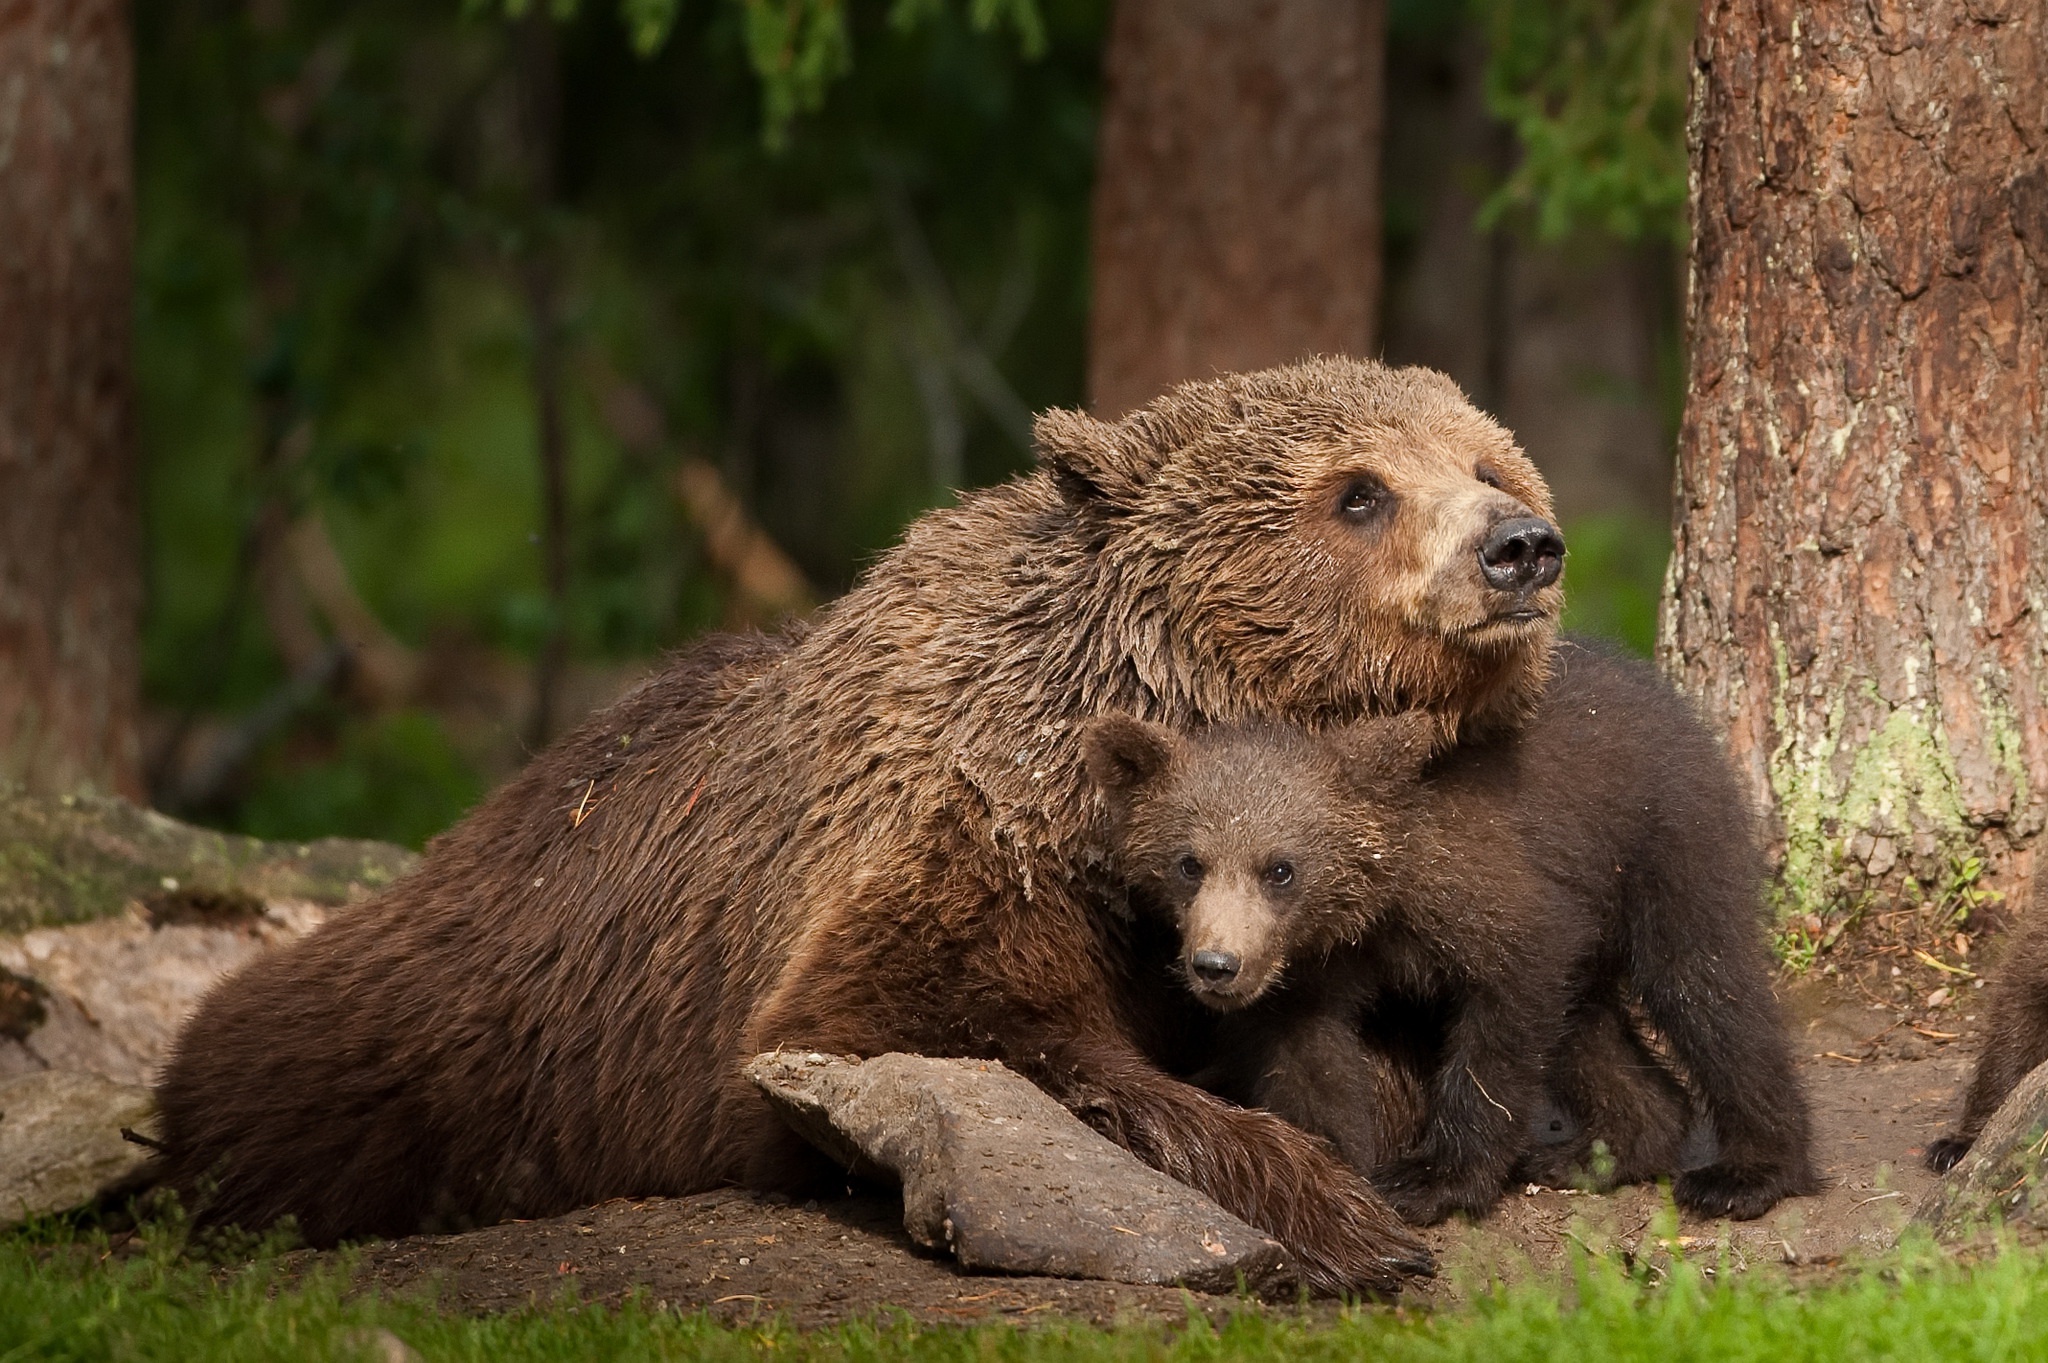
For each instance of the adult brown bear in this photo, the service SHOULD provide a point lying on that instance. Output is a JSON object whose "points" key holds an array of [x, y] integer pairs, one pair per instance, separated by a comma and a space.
{"points": [[877, 835]]}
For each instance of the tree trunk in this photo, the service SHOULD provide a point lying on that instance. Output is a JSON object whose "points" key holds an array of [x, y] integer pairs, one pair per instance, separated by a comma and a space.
{"points": [[70, 578], [1237, 190], [1861, 567]]}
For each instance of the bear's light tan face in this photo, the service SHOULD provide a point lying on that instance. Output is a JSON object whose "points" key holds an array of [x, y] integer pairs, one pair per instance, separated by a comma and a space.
{"points": [[1406, 513], [1321, 541]]}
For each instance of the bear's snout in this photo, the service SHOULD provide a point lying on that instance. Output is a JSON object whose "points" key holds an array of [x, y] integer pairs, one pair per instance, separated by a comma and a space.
{"points": [[1521, 554], [1215, 967]]}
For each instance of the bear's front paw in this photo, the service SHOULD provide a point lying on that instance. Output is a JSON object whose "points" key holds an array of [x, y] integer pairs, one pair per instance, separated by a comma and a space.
{"points": [[1943, 1154], [1419, 1189], [1357, 1247], [1740, 1191]]}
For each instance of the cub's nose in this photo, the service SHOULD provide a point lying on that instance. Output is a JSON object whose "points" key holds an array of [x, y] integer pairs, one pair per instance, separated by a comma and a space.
{"points": [[1522, 554], [1215, 967]]}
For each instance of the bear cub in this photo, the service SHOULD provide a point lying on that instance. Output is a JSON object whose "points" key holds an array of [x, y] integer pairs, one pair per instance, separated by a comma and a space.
{"points": [[1429, 959], [2016, 1031]]}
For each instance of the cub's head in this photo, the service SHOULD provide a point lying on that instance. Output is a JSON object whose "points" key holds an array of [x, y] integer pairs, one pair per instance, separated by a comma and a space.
{"points": [[1320, 541], [1263, 842]]}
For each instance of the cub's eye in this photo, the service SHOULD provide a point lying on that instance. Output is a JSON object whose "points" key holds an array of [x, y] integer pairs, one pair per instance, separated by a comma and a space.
{"points": [[1486, 474], [1363, 499], [1190, 868], [1280, 874]]}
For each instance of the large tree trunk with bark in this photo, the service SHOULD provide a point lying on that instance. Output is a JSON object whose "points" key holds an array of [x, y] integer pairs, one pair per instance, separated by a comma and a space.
{"points": [[1859, 588], [70, 577], [1237, 190]]}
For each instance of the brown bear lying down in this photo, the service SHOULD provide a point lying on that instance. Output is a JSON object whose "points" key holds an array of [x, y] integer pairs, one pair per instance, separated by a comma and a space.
{"points": [[876, 835], [1431, 958]]}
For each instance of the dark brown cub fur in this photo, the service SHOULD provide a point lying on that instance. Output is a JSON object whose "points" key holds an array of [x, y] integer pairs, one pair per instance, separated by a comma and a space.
{"points": [[2016, 1032], [1478, 919], [879, 837]]}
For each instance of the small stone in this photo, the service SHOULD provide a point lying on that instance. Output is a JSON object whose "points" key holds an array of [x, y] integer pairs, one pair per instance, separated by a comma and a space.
{"points": [[1007, 1179], [380, 1346], [1938, 997], [61, 1145]]}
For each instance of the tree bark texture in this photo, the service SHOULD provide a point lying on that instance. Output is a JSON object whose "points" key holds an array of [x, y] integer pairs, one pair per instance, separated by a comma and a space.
{"points": [[1860, 572], [1237, 190], [70, 575]]}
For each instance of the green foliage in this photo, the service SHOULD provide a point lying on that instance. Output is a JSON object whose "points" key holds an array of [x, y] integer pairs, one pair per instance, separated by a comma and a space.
{"points": [[336, 216], [395, 778], [1595, 91], [1614, 576], [797, 48]]}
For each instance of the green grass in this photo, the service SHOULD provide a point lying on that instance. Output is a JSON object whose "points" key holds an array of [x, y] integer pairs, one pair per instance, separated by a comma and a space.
{"points": [[68, 1302]]}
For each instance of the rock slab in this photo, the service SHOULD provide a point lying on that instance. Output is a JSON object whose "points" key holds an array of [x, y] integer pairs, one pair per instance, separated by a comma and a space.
{"points": [[1999, 1181], [1006, 1179], [61, 1144]]}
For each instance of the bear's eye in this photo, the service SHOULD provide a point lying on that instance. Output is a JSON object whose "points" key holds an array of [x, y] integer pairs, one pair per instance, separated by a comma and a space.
{"points": [[1364, 500], [1190, 868], [1486, 474], [1280, 874]]}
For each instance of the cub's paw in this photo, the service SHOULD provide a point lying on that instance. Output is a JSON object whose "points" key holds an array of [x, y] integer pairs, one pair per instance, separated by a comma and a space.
{"points": [[1740, 1191], [1418, 1190], [1943, 1154]]}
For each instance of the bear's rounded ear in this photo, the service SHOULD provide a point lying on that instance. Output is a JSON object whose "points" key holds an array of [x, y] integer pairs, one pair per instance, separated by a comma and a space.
{"points": [[1123, 753], [1091, 461], [1383, 755]]}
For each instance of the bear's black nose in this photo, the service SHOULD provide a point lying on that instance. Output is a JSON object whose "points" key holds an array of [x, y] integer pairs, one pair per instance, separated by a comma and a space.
{"points": [[1522, 554], [1215, 967]]}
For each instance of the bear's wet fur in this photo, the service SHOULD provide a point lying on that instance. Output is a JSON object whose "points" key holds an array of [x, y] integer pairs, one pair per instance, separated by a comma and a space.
{"points": [[2015, 1030], [1431, 955], [878, 836]]}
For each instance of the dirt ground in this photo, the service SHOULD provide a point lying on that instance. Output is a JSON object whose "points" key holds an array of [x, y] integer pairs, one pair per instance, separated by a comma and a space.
{"points": [[1882, 1084]]}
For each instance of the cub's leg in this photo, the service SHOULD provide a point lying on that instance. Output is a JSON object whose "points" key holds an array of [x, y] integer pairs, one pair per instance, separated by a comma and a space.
{"points": [[1482, 1099], [1702, 974], [2017, 1032], [1311, 1065], [1605, 1085]]}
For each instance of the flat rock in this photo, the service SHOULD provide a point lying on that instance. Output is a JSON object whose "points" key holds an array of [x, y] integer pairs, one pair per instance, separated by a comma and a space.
{"points": [[1999, 1180], [1006, 1179], [61, 1145], [108, 997]]}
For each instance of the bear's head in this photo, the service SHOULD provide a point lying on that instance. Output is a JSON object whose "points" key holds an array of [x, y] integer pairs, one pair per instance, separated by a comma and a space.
{"points": [[1326, 539], [1263, 842]]}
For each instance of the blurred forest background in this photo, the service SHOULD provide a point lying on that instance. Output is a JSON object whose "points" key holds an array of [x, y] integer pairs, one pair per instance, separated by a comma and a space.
{"points": [[483, 354]]}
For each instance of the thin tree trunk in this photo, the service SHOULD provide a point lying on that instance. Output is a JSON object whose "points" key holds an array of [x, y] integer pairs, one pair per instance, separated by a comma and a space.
{"points": [[70, 573], [1860, 575], [1237, 190]]}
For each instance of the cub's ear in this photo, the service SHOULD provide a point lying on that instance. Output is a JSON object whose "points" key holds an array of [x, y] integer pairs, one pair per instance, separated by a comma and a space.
{"points": [[1125, 754], [1092, 461], [1384, 755]]}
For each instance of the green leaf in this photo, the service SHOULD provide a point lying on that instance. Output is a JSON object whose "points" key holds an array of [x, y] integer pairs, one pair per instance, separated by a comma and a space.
{"points": [[1595, 91]]}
